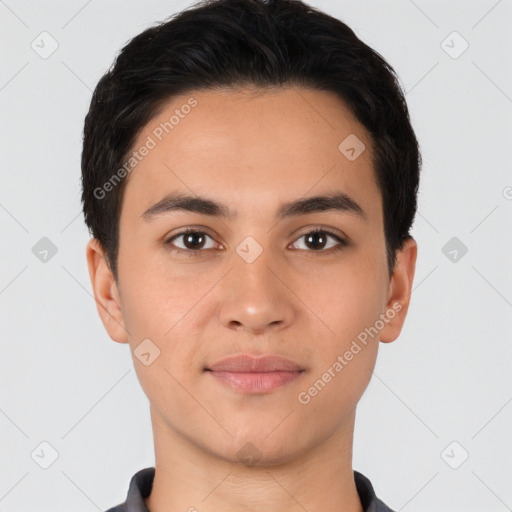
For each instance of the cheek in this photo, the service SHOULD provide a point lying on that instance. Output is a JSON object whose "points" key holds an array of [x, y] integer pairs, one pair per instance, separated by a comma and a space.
{"points": [[166, 308], [156, 297], [350, 306], [350, 302], [346, 353], [159, 309]]}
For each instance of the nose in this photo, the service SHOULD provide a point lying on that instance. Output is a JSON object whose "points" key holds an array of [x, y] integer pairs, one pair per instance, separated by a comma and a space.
{"points": [[255, 297]]}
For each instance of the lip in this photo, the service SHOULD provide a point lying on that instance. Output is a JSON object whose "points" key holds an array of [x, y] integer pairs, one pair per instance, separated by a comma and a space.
{"points": [[255, 364], [255, 375]]}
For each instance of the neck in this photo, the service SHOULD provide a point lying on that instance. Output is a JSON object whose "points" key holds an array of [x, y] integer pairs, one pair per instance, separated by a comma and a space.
{"points": [[190, 478]]}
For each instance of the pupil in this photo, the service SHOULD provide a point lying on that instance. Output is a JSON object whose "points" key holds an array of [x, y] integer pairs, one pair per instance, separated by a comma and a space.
{"points": [[189, 239], [313, 237]]}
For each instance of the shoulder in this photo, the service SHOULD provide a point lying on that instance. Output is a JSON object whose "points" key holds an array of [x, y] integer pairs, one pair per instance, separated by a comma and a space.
{"points": [[369, 500], [140, 487]]}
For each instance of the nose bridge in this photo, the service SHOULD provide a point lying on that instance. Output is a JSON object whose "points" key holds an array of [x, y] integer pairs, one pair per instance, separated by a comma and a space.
{"points": [[255, 275], [253, 297]]}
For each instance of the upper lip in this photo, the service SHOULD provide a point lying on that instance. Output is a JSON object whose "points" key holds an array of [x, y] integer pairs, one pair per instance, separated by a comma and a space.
{"points": [[247, 363]]}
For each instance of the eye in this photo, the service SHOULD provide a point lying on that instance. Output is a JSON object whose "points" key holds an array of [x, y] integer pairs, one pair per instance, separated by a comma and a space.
{"points": [[193, 241], [318, 240]]}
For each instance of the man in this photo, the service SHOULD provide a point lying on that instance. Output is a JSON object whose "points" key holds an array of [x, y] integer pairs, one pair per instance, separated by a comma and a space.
{"points": [[250, 178]]}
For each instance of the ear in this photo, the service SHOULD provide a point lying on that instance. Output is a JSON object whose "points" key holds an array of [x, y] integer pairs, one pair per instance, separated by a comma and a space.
{"points": [[106, 293], [399, 293]]}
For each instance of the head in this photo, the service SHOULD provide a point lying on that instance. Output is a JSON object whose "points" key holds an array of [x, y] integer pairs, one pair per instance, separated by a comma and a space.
{"points": [[251, 108]]}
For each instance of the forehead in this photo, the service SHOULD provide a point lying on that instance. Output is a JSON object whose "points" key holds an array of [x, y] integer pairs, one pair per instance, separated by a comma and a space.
{"points": [[252, 148]]}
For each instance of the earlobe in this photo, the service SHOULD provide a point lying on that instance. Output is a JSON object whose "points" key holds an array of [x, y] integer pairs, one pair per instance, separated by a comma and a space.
{"points": [[105, 291], [400, 287]]}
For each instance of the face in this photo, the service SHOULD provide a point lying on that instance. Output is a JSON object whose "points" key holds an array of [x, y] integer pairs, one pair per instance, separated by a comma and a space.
{"points": [[255, 278]]}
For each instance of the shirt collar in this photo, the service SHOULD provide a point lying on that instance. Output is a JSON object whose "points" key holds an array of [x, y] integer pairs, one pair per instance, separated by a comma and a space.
{"points": [[142, 483]]}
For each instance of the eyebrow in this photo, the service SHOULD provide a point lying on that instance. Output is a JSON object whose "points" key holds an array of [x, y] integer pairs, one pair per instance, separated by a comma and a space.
{"points": [[339, 201]]}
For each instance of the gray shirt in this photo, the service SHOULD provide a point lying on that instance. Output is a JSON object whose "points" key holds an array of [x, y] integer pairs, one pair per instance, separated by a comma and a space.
{"points": [[142, 482]]}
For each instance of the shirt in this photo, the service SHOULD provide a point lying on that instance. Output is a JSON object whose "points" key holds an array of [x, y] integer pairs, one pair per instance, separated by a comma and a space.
{"points": [[142, 482]]}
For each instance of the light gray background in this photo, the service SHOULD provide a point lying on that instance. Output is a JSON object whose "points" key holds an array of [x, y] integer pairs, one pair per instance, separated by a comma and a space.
{"points": [[447, 378]]}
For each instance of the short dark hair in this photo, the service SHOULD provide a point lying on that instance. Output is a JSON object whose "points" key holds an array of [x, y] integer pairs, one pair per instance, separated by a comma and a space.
{"points": [[235, 43]]}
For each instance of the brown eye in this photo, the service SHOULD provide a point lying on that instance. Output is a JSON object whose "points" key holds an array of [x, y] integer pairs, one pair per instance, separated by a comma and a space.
{"points": [[192, 240], [318, 241]]}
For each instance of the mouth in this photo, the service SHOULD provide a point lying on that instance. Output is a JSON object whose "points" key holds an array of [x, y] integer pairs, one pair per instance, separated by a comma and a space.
{"points": [[255, 382], [255, 375]]}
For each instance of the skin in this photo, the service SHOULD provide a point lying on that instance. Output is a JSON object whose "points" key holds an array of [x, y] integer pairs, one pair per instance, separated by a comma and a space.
{"points": [[253, 151]]}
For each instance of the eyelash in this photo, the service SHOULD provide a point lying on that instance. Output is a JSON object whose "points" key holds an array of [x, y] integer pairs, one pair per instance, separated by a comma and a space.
{"points": [[189, 252]]}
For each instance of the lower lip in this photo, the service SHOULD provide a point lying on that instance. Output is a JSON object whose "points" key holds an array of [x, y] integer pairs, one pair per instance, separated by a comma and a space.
{"points": [[249, 382]]}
